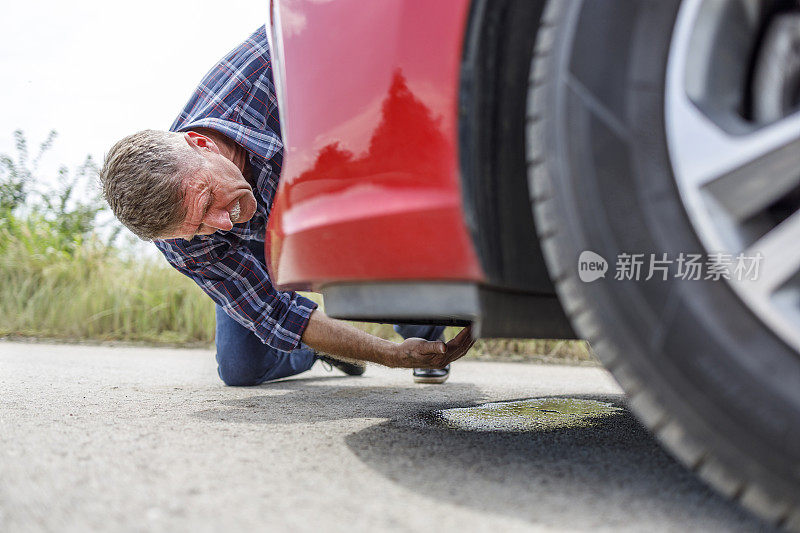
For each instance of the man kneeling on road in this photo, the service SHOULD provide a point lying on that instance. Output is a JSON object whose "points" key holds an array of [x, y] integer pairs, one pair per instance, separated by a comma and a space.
{"points": [[203, 192]]}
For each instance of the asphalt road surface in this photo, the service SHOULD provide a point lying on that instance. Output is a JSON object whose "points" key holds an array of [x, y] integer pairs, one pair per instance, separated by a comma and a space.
{"points": [[137, 439]]}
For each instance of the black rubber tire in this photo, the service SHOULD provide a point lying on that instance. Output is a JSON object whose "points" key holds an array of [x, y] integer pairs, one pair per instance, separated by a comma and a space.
{"points": [[714, 384]]}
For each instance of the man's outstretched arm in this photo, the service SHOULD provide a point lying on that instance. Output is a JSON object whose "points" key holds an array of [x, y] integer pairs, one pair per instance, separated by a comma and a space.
{"points": [[337, 337]]}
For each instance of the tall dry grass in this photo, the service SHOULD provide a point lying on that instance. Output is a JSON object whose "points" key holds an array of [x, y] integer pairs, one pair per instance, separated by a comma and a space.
{"points": [[85, 290]]}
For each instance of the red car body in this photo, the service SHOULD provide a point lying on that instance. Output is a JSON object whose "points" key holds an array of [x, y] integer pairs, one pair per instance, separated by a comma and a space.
{"points": [[372, 208], [370, 178]]}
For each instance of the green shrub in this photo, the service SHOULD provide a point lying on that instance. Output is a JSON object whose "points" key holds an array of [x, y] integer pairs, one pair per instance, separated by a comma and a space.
{"points": [[59, 278]]}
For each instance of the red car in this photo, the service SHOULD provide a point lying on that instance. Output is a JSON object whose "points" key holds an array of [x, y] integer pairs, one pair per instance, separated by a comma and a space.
{"points": [[623, 171]]}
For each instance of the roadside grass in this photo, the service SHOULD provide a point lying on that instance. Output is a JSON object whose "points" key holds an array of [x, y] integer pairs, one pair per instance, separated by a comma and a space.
{"points": [[86, 291]]}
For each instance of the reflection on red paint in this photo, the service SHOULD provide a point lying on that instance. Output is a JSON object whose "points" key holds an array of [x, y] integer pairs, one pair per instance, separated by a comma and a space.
{"points": [[369, 189], [395, 156]]}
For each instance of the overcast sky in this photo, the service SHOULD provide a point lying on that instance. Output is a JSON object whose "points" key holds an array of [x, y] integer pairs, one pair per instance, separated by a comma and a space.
{"points": [[96, 71]]}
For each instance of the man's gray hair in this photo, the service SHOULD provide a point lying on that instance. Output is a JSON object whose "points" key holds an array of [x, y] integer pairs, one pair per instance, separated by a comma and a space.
{"points": [[141, 179]]}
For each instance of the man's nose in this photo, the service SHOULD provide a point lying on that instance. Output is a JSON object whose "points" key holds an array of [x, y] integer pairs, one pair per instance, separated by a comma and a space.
{"points": [[219, 219]]}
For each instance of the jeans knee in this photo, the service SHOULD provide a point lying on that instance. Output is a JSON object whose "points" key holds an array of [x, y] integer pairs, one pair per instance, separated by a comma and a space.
{"points": [[238, 376]]}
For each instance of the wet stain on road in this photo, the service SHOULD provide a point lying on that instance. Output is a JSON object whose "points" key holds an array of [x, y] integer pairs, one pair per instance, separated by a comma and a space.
{"points": [[535, 414]]}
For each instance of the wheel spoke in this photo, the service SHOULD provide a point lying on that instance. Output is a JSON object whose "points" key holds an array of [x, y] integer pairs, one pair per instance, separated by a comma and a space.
{"points": [[772, 172], [743, 173], [781, 253]]}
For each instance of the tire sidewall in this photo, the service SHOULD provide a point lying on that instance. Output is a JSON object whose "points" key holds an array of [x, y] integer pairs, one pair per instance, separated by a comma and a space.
{"points": [[709, 360]]}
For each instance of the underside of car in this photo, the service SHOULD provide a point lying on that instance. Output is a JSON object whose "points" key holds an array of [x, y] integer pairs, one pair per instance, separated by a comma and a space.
{"points": [[545, 130], [515, 297]]}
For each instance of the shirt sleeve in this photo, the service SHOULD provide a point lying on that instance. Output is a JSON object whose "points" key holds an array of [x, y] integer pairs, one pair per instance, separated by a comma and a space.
{"points": [[236, 280]]}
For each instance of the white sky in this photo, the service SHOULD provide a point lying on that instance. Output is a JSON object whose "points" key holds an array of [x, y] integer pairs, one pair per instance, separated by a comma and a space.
{"points": [[96, 71]]}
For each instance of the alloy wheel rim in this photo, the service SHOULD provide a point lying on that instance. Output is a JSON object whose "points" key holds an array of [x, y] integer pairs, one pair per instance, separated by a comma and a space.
{"points": [[738, 173]]}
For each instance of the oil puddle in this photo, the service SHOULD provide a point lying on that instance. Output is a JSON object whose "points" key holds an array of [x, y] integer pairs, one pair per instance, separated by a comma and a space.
{"points": [[535, 414]]}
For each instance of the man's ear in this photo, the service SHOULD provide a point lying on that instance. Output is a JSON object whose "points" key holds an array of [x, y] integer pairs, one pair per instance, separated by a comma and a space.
{"points": [[200, 141]]}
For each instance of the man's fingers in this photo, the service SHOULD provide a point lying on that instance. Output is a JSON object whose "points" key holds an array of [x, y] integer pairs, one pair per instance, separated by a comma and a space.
{"points": [[460, 345], [426, 354], [434, 348], [462, 335], [436, 354], [463, 340]]}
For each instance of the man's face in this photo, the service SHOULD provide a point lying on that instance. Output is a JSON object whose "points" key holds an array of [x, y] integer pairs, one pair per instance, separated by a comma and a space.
{"points": [[215, 197]]}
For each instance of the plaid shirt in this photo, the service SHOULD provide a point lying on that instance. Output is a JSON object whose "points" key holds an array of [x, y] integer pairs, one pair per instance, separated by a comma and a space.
{"points": [[237, 99]]}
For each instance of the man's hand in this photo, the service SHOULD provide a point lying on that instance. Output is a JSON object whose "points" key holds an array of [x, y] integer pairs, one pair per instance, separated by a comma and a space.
{"points": [[419, 353], [336, 337]]}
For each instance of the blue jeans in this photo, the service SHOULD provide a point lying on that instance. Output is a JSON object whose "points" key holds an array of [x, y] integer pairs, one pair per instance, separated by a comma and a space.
{"points": [[244, 360], [429, 333]]}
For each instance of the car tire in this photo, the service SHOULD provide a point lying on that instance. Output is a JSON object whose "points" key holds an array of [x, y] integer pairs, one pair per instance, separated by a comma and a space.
{"points": [[715, 384]]}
